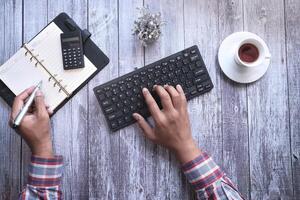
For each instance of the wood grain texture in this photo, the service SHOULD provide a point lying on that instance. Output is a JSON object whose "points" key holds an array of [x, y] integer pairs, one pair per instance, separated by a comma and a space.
{"points": [[70, 125], [104, 151], [268, 116], [132, 142], [163, 176], [201, 28], [10, 142], [292, 17], [252, 131], [234, 105], [34, 19]]}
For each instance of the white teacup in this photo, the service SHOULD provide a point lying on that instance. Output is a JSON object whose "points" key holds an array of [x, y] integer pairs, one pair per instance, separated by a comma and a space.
{"points": [[262, 53]]}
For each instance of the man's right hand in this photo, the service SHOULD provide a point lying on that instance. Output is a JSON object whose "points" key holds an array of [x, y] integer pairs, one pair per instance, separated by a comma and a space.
{"points": [[172, 125], [35, 126]]}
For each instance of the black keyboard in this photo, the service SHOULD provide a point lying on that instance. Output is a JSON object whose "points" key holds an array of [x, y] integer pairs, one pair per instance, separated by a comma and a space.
{"points": [[121, 97]]}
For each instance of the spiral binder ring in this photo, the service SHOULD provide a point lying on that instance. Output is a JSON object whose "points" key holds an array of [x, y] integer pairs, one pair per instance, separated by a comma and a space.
{"points": [[60, 89], [51, 77]]}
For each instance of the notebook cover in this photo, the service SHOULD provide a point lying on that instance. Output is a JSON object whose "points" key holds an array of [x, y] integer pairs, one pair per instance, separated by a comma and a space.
{"points": [[91, 51]]}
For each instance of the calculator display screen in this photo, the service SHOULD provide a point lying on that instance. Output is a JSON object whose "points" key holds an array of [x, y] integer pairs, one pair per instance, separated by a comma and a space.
{"points": [[71, 39]]}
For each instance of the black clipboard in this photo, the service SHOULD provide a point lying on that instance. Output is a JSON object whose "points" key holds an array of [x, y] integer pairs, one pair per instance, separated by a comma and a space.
{"points": [[91, 51]]}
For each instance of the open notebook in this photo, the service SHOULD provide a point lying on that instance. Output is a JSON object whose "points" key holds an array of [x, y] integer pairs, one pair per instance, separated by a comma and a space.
{"points": [[41, 59]]}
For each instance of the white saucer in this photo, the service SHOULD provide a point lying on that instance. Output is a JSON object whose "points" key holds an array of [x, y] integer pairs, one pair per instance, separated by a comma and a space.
{"points": [[227, 62]]}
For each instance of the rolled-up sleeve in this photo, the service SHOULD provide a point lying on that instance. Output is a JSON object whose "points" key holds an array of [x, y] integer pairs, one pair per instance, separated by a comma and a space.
{"points": [[44, 178], [208, 180]]}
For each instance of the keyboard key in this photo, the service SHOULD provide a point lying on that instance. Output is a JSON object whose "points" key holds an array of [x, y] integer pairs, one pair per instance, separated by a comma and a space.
{"points": [[126, 102], [101, 96], [190, 75], [127, 118], [119, 105], [125, 110], [133, 107], [106, 103], [207, 86], [185, 69], [122, 96], [199, 72], [108, 94], [164, 70], [109, 110], [114, 124], [115, 91], [171, 67], [114, 99], [112, 116], [194, 58], [198, 64], [129, 93], [185, 61], [200, 79], [120, 121], [201, 89], [192, 66], [107, 88], [136, 90], [140, 105]]}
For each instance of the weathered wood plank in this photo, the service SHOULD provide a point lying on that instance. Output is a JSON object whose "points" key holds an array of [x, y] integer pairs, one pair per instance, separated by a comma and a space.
{"points": [[293, 62], [10, 142], [234, 106], [70, 129], [270, 162], [132, 142], [120, 162], [164, 179], [34, 19], [201, 28], [104, 149]]}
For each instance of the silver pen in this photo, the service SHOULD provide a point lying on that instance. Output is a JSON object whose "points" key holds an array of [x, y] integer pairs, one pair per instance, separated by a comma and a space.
{"points": [[25, 108]]}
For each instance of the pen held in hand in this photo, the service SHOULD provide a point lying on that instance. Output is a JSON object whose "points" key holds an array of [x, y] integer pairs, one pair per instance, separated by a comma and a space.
{"points": [[27, 105]]}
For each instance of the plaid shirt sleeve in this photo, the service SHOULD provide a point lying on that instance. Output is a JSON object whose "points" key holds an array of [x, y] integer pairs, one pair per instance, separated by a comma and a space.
{"points": [[208, 180], [44, 179]]}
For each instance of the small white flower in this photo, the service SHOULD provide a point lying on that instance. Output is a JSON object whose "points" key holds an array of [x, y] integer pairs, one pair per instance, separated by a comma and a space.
{"points": [[148, 26]]}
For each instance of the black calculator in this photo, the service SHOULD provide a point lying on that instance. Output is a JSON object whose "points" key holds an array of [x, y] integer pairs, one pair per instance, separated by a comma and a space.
{"points": [[72, 50]]}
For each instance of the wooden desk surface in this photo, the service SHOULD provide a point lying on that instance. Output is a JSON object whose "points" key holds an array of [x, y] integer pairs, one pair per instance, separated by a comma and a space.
{"points": [[252, 131]]}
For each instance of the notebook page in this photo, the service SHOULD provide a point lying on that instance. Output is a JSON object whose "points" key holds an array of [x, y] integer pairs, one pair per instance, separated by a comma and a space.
{"points": [[18, 73], [48, 46]]}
